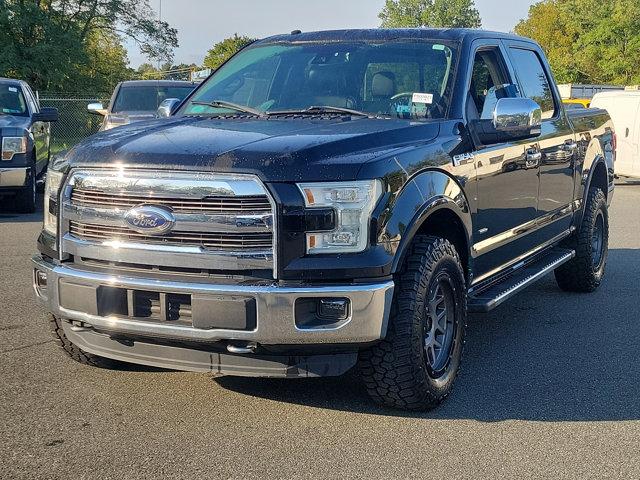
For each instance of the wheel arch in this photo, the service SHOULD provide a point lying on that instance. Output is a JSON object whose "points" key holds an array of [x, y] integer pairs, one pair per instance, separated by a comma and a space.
{"points": [[441, 209], [598, 177]]}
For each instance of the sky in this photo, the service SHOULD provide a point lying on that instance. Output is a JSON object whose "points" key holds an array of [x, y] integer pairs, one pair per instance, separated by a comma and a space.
{"points": [[201, 23]]}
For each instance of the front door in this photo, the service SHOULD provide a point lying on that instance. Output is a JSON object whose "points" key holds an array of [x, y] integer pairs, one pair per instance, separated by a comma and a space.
{"points": [[507, 173], [40, 132]]}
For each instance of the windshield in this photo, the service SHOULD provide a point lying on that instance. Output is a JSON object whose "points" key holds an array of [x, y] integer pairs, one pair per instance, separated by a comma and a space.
{"points": [[12, 101], [401, 79], [146, 98]]}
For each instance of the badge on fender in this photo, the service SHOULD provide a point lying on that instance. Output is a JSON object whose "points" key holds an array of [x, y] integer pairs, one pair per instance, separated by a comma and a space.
{"points": [[462, 158]]}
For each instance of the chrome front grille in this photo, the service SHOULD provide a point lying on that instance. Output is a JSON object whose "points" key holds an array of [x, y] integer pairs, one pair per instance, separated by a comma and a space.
{"points": [[213, 205], [229, 241], [222, 222]]}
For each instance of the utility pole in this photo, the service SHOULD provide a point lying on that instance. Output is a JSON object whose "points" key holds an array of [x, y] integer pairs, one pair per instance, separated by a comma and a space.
{"points": [[160, 20]]}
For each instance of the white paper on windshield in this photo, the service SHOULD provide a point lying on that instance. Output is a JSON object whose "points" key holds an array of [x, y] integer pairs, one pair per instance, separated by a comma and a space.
{"points": [[13, 89], [426, 98]]}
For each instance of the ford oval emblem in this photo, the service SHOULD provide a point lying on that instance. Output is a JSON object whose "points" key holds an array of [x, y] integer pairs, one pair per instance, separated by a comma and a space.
{"points": [[150, 220]]}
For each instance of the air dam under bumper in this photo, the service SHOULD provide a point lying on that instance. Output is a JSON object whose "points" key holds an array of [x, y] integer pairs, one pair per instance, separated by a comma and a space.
{"points": [[275, 313]]}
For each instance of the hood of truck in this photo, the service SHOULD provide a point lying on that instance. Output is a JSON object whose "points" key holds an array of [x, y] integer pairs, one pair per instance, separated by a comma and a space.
{"points": [[275, 149], [13, 121]]}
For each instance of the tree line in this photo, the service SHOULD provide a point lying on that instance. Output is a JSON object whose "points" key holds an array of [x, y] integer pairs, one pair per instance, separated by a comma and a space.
{"points": [[63, 45]]}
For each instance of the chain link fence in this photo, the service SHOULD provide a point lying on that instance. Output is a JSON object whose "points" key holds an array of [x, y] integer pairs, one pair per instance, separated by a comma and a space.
{"points": [[75, 123]]}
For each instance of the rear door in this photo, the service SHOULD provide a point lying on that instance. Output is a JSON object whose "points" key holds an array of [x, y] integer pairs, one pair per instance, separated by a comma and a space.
{"points": [[556, 147]]}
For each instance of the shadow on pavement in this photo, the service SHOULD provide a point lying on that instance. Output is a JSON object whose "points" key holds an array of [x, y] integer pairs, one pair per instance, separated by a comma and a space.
{"points": [[8, 213], [545, 356]]}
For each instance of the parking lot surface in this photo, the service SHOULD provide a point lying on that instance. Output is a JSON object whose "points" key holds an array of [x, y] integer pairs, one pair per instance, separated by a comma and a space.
{"points": [[550, 387]]}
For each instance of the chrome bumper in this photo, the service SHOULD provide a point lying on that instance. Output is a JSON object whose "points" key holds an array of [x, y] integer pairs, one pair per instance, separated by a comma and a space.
{"points": [[275, 308], [13, 176]]}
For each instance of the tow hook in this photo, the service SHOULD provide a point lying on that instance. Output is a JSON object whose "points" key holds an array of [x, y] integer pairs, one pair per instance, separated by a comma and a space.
{"points": [[242, 348]]}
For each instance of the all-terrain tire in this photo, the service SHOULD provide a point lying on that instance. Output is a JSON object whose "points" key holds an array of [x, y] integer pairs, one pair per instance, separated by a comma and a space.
{"points": [[25, 199], [397, 371], [585, 271], [74, 351]]}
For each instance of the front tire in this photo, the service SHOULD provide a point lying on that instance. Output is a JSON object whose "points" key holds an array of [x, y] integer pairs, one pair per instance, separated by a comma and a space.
{"points": [[591, 243], [75, 352], [415, 366]]}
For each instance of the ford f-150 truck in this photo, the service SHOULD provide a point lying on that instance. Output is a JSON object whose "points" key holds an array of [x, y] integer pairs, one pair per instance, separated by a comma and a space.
{"points": [[25, 134], [324, 200]]}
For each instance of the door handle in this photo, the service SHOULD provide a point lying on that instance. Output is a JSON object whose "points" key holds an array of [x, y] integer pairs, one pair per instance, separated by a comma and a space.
{"points": [[570, 146], [533, 158]]}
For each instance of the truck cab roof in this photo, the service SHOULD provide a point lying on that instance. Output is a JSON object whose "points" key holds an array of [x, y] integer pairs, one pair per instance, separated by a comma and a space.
{"points": [[389, 34], [11, 81]]}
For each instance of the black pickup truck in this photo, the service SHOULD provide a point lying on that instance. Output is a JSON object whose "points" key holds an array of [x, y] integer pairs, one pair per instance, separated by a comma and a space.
{"points": [[25, 133], [324, 200]]}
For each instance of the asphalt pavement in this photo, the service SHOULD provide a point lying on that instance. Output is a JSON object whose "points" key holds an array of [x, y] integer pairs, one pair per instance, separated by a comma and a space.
{"points": [[550, 388]]}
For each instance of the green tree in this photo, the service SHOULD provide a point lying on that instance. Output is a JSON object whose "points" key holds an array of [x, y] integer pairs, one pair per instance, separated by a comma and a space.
{"points": [[146, 71], [107, 63], [588, 41], [60, 44], [222, 51], [430, 13]]}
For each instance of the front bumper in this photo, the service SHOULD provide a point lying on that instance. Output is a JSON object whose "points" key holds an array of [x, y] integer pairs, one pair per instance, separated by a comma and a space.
{"points": [[275, 308], [13, 177]]}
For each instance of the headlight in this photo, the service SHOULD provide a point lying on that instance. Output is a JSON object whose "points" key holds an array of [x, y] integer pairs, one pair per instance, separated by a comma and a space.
{"points": [[51, 189], [12, 146], [353, 202]]}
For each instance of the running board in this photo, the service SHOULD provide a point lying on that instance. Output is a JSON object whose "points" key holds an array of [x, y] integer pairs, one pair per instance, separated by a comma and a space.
{"points": [[489, 298]]}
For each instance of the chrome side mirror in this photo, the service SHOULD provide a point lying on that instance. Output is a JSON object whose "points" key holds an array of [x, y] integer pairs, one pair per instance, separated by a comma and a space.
{"points": [[516, 115], [97, 109], [168, 107]]}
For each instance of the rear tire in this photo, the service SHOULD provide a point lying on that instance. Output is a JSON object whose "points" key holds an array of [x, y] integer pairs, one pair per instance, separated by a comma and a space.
{"points": [[25, 199], [591, 243], [74, 351], [415, 366]]}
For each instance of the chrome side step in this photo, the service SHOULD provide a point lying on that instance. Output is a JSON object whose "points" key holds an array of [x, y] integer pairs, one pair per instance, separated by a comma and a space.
{"points": [[489, 298]]}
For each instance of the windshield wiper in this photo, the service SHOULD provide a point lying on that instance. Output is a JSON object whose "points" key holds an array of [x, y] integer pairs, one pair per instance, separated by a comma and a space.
{"points": [[231, 106], [321, 109]]}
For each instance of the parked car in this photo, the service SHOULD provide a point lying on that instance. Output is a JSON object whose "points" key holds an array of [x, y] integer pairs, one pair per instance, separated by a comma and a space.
{"points": [[137, 100], [624, 108], [325, 199], [25, 132]]}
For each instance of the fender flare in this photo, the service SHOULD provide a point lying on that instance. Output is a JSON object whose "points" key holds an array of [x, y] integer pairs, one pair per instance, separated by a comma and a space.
{"points": [[436, 191]]}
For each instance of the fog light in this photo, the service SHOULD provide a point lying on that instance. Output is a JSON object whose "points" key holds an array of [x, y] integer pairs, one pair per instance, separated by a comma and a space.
{"points": [[40, 282], [333, 308]]}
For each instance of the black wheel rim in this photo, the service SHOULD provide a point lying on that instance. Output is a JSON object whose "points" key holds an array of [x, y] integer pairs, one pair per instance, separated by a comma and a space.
{"points": [[597, 240], [440, 323]]}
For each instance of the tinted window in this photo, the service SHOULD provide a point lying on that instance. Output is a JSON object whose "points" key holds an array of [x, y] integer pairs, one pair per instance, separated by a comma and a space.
{"points": [[12, 101], [146, 98], [533, 80], [379, 78], [487, 79]]}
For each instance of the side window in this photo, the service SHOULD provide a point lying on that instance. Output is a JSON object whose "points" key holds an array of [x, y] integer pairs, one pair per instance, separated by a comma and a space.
{"points": [[533, 80], [487, 81]]}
